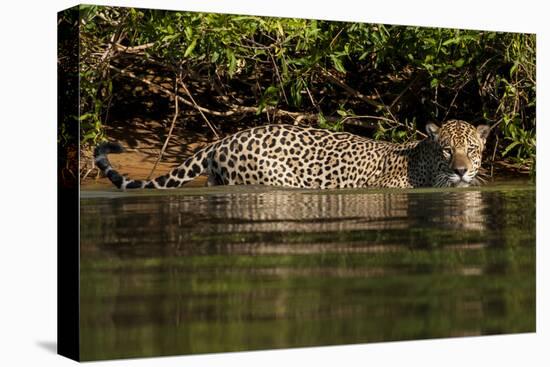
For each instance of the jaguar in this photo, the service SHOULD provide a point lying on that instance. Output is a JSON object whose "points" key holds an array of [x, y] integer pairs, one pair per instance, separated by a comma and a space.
{"points": [[307, 157]]}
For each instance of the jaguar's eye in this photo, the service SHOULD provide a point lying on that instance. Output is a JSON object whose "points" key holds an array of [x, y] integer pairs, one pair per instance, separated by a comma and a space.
{"points": [[447, 152]]}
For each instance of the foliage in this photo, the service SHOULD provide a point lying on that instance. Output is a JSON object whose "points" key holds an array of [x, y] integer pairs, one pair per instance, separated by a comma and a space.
{"points": [[331, 72]]}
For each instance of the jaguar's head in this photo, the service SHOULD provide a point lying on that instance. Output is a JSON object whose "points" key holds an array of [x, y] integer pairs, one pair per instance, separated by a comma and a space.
{"points": [[459, 155]]}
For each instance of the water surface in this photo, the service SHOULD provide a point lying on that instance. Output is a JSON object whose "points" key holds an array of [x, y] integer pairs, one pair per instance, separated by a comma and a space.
{"points": [[246, 268]]}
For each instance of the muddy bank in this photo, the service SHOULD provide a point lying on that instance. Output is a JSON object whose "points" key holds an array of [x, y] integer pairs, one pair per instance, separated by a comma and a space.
{"points": [[143, 142], [135, 164]]}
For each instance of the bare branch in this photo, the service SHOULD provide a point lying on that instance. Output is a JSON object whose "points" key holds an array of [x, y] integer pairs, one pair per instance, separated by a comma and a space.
{"points": [[198, 109], [278, 76], [234, 109], [347, 88], [395, 121], [134, 49], [176, 113]]}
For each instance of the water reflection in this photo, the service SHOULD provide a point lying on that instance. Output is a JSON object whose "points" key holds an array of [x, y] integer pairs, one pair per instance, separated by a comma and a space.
{"points": [[215, 272]]}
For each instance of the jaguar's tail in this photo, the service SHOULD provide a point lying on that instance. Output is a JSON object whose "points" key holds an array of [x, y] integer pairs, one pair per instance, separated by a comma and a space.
{"points": [[191, 168]]}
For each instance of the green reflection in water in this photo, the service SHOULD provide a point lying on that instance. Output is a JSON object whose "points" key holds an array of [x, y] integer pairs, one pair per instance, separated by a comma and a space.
{"points": [[228, 269]]}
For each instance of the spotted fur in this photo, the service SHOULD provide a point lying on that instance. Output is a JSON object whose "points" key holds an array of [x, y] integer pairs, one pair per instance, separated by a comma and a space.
{"points": [[304, 157]]}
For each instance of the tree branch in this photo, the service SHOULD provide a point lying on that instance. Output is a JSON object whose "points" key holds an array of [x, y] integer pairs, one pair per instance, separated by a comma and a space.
{"points": [[234, 109], [197, 107], [176, 113], [134, 49], [347, 88], [395, 121]]}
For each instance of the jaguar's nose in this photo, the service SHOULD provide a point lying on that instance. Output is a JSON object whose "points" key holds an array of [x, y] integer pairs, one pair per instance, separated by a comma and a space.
{"points": [[460, 171]]}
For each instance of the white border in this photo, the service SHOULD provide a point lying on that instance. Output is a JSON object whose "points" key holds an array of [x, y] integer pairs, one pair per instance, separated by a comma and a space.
{"points": [[28, 278]]}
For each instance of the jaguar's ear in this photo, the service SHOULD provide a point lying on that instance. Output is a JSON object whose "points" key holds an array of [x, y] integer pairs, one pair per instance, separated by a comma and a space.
{"points": [[433, 131], [483, 131]]}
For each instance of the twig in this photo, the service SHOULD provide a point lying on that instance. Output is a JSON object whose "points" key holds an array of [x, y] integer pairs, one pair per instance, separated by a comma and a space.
{"points": [[385, 107], [103, 62], [493, 158], [367, 117], [298, 119], [107, 52], [197, 107], [257, 44], [456, 95], [278, 77], [393, 117], [131, 75], [436, 94], [134, 49], [315, 104], [496, 123], [234, 109], [116, 37], [400, 95], [88, 172], [176, 113], [335, 37], [347, 88]]}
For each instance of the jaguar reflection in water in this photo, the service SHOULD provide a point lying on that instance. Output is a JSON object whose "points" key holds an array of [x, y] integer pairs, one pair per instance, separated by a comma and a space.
{"points": [[248, 268]]}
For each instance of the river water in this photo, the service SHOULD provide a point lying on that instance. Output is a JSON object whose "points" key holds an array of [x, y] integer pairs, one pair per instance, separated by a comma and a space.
{"points": [[220, 269]]}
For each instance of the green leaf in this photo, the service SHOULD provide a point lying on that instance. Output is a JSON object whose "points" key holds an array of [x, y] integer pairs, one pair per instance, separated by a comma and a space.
{"points": [[188, 32], [190, 48], [271, 90], [280, 29], [169, 37], [337, 63], [514, 68], [510, 147], [214, 57], [363, 55], [342, 113], [232, 66], [86, 116], [458, 63], [321, 120], [451, 41]]}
